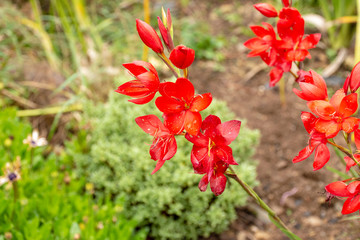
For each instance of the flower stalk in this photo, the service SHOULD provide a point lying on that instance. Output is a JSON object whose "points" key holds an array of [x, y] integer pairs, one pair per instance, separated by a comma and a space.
{"points": [[272, 215], [168, 63]]}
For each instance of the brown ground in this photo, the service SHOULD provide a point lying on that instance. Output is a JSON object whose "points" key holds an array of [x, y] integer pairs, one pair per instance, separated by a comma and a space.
{"points": [[283, 136]]}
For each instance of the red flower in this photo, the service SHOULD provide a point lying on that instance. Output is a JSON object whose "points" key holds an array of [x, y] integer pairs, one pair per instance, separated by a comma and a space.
{"points": [[351, 191], [291, 30], [181, 107], [317, 142], [335, 115], [164, 145], [266, 38], [313, 86], [166, 30], [149, 36], [146, 84], [182, 57], [211, 154], [266, 9]]}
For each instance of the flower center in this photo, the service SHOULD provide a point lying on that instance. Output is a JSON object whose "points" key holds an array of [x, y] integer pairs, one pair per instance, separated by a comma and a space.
{"points": [[12, 176]]}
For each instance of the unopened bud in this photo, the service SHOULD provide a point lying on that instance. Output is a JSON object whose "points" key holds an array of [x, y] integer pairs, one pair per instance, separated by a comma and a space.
{"points": [[8, 236]]}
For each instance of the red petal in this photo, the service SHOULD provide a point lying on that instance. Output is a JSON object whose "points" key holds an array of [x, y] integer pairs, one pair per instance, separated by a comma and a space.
{"points": [[227, 132], [310, 92], [163, 32], [143, 100], [134, 69], [192, 122], [338, 189], [182, 89], [149, 124], [266, 9], [357, 138], [258, 46], [355, 78], [322, 156], [203, 183], [259, 31], [285, 3], [348, 105], [275, 76], [352, 204], [200, 102], [350, 124], [133, 88], [149, 80], [303, 154], [172, 148], [218, 183], [169, 105], [308, 120], [330, 128], [200, 159], [224, 153], [297, 55], [349, 162], [198, 140], [310, 41], [337, 98], [322, 108], [149, 36], [209, 125], [354, 187], [174, 122], [159, 164]]}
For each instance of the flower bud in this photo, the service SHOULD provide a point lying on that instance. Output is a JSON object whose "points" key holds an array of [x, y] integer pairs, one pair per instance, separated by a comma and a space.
{"points": [[266, 9], [182, 57], [354, 80], [286, 3], [149, 36]]}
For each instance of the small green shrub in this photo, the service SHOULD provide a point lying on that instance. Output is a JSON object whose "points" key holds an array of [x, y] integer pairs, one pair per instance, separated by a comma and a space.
{"points": [[169, 201], [53, 203]]}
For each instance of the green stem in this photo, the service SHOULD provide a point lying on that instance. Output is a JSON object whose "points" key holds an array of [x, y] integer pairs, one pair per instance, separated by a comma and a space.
{"points": [[344, 150], [168, 63], [16, 190], [272, 215], [282, 92]]}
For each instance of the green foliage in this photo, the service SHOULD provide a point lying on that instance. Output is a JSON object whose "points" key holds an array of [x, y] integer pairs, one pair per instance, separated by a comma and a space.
{"points": [[169, 201], [53, 203], [197, 37]]}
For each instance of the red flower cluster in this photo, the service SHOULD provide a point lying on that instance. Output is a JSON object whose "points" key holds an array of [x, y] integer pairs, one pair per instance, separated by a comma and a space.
{"points": [[290, 44], [181, 109], [332, 116]]}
